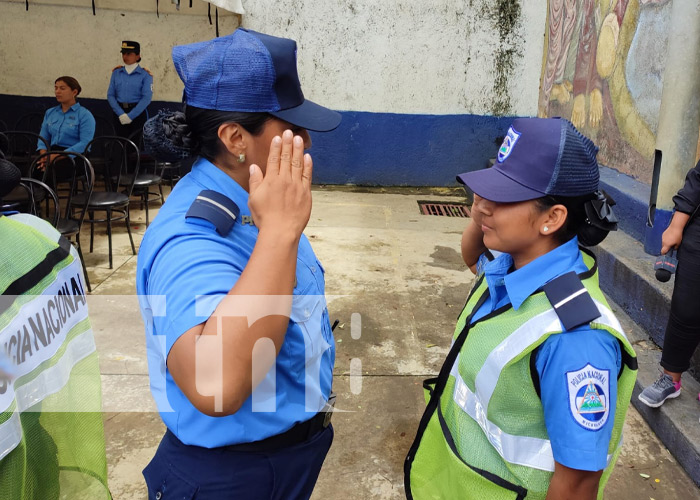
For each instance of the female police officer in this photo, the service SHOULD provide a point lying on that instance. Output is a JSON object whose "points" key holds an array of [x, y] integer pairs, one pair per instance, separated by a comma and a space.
{"points": [[532, 397], [130, 91], [239, 343]]}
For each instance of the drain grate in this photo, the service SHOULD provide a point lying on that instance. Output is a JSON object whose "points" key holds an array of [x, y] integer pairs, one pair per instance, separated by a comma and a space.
{"points": [[444, 209]]}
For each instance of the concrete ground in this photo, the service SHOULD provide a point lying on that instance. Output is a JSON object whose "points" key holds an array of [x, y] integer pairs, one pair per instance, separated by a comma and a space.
{"points": [[401, 275]]}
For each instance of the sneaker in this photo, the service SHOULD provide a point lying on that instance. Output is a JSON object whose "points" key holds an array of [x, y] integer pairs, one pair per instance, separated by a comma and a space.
{"points": [[660, 391]]}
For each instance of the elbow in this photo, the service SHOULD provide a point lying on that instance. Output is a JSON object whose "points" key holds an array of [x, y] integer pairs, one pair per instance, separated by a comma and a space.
{"points": [[214, 400]]}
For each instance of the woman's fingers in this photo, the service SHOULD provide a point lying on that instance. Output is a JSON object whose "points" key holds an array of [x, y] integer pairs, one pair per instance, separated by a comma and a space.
{"points": [[286, 154], [297, 158], [307, 170], [273, 159]]}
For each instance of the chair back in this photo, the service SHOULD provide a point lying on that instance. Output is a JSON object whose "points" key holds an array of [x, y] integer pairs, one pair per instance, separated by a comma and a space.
{"points": [[30, 121], [81, 180], [36, 192], [4, 146], [3, 126], [103, 126], [121, 161], [22, 146]]}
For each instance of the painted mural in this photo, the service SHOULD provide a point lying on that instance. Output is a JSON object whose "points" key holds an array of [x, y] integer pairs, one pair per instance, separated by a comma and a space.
{"points": [[603, 69]]}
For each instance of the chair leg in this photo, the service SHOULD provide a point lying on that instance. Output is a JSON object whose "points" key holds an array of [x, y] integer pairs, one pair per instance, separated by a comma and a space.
{"points": [[109, 235], [92, 229], [160, 190], [82, 262], [128, 230]]}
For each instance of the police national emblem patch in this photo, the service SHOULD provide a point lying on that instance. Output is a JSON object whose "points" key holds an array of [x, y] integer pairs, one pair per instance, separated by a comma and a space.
{"points": [[509, 142], [589, 396]]}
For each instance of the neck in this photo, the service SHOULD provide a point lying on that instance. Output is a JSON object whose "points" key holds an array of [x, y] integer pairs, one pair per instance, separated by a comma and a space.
{"points": [[238, 172], [65, 106], [538, 249]]}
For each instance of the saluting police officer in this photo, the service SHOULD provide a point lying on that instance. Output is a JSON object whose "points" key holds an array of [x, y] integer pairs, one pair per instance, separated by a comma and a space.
{"points": [[240, 348], [130, 91]]}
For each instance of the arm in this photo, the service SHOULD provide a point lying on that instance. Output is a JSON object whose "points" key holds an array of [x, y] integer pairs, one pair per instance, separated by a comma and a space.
{"points": [[281, 205], [473, 237], [86, 131], [112, 96], [44, 132], [573, 484], [673, 235], [687, 199], [146, 96]]}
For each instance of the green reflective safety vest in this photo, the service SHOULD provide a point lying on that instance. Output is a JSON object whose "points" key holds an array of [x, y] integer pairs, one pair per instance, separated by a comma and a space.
{"points": [[51, 435], [483, 434]]}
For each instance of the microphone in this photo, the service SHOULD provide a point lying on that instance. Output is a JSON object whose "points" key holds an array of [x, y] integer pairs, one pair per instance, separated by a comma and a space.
{"points": [[665, 265]]}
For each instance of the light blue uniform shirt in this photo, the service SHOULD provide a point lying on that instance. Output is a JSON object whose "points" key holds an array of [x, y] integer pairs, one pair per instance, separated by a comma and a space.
{"points": [[72, 130], [181, 259], [572, 444], [136, 87]]}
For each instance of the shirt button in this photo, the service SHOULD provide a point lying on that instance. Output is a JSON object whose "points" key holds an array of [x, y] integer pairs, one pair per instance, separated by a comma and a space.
{"points": [[313, 269], [307, 313]]}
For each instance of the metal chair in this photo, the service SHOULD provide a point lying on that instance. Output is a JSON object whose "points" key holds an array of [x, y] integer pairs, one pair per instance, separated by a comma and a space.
{"points": [[22, 146], [30, 121], [150, 175], [115, 152], [33, 205], [82, 181]]}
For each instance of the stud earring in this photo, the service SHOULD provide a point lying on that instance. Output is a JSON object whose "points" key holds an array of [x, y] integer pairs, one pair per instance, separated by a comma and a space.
{"points": [[545, 229], [241, 158]]}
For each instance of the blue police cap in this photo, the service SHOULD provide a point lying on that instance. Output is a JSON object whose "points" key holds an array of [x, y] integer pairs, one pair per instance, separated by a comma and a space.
{"points": [[249, 72], [538, 157]]}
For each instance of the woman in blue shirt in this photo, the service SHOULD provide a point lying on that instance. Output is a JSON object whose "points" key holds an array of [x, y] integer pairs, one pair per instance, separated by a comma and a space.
{"points": [[533, 394], [130, 91], [240, 349], [68, 126]]}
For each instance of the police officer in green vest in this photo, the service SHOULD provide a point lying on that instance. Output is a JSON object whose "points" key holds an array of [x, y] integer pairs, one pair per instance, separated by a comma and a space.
{"points": [[51, 436], [532, 397]]}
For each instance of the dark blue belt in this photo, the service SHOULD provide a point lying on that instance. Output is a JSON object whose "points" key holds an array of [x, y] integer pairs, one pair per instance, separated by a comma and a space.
{"points": [[126, 106]]}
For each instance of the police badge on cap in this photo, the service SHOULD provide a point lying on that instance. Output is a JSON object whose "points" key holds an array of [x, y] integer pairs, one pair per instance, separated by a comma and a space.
{"points": [[131, 46]]}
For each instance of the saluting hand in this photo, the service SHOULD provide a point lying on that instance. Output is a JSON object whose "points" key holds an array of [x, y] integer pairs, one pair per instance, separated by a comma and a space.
{"points": [[281, 199]]}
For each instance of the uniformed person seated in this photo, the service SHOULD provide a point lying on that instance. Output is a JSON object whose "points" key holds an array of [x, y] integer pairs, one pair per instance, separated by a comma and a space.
{"points": [[130, 91], [239, 342]]}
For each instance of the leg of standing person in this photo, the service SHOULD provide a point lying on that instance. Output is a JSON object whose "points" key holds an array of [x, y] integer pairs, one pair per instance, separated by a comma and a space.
{"points": [[683, 329]]}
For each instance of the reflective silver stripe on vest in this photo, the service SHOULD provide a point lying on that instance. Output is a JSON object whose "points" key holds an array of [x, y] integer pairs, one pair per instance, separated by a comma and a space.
{"points": [[520, 450], [10, 434]]}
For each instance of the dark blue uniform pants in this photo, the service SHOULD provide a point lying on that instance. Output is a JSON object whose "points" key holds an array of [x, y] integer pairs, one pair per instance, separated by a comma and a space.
{"points": [[184, 472]]}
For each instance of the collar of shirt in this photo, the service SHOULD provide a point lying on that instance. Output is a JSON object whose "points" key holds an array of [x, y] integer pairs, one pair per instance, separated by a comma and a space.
{"points": [[518, 285], [212, 177], [130, 68]]}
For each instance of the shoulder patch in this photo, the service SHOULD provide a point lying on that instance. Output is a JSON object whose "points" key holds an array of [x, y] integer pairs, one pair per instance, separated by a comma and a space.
{"points": [[216, 208], [589, 396], [571, 301]]}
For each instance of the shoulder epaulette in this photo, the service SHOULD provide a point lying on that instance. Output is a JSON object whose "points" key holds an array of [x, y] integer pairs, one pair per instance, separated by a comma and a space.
{"points": [[216, 208], [571, 301]]}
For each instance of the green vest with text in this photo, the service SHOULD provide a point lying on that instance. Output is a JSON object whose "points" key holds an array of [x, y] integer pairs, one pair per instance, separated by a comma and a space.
{"points": [[483, 434], [51, 434]]}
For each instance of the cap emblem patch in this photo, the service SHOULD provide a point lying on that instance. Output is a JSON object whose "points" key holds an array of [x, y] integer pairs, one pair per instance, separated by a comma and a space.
{"points": [[509, 142]]}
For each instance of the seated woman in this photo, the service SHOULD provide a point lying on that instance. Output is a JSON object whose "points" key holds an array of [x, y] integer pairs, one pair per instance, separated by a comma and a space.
{"points": [[531, 399], [68, 126]]}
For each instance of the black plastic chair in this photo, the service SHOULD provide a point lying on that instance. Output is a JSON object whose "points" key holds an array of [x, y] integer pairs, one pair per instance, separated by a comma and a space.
{"points": [[115, 152]]}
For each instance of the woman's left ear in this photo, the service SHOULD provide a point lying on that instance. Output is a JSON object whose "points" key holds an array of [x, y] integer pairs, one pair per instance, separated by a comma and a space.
{"points": [[553, 220]]}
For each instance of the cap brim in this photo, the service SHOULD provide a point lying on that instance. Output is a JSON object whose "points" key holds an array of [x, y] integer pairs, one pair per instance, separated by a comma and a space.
{"points": [[494, 185], [310, 116]]}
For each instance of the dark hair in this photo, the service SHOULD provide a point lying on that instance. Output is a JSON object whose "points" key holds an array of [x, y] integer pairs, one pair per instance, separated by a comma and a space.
{"points": [[197, 129], [582, 219], [71, 82]]}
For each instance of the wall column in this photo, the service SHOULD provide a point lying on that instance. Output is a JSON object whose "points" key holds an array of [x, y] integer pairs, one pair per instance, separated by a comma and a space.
{"points": [[679, 119]]}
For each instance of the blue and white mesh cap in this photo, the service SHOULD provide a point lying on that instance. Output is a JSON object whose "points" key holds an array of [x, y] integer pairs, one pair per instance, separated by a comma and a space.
{"points": [[538, 157], [249, 72]]}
